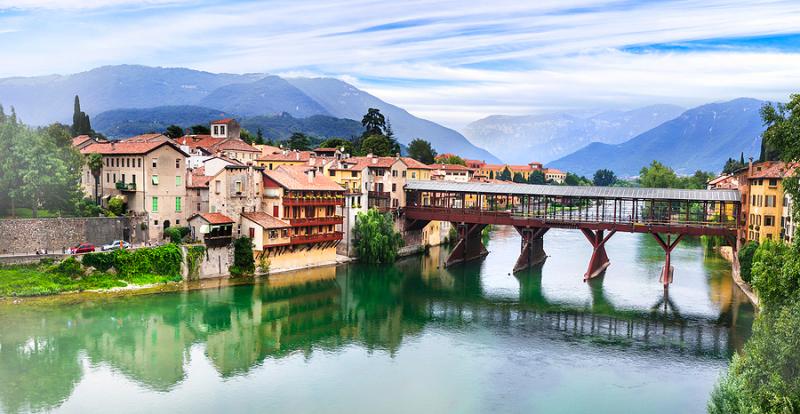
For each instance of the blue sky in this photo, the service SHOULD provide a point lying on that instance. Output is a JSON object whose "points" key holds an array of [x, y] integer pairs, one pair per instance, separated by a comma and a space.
{"points": [[450, 61]]}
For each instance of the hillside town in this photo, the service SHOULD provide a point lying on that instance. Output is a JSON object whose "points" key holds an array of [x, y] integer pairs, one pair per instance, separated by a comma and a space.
{"points": [[298, 207]]}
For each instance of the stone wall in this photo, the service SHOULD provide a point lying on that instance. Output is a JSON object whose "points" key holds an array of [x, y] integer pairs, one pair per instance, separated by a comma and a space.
{"points": [[216, 262], [21, 236]]}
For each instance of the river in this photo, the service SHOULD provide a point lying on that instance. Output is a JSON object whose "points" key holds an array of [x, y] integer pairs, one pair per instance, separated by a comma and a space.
{"points": [[408, 338]]}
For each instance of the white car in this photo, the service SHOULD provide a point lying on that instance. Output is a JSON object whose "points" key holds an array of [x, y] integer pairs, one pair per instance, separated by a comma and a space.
{"points": [[116, 244]]}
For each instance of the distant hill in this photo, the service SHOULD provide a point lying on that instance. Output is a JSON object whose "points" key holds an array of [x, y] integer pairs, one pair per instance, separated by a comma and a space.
{"points": [[700, 138], [521, 139], [119, 123], [45, 99]]}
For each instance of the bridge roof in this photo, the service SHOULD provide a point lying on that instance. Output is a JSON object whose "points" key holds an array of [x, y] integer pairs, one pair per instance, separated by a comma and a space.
{"points": [[576, 191]]}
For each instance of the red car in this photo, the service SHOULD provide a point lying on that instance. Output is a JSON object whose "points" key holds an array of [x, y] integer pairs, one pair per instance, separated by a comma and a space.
{"points": [[82, 248]]}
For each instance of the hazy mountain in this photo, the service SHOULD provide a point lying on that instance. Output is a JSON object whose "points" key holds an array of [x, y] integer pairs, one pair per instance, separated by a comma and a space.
{"points": [[521, 139], [44, 99], [700, 138], [120, 123], [343, 100]]}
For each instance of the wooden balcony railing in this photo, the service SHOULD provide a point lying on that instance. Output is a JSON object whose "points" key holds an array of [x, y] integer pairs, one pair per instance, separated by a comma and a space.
{"points": [[378, 194], [316, 221], [317, 238], [313, 201]]}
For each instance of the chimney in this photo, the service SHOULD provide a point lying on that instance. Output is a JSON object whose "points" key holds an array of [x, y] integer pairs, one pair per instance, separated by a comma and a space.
{"points": [[369, 155], [374, 160], [397, 155], [311, 174], [113, 145], [750, 168]]}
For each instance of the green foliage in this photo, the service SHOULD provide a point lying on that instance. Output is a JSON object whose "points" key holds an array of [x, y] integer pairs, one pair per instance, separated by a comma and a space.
{"points": [[243, 262], [422, 151], [732, 165], [338, 143], [194, 255], [263, 264], [604, 178], [86, 207], [535, 177], [518, 178], [379, 145], [162, 260], [374, 122], [658, 175], [199, 130], [176, 234], [452, 159], [100, 261], [173, 131], [299, 141], [117, 206], [776, 273], [80, 121], [376, 240], [765, 377], [504, 175], [69, 267], [746, 254]]}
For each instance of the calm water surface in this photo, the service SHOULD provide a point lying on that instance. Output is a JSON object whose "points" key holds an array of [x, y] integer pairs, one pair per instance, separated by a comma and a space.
{"points": [[407, 338]]}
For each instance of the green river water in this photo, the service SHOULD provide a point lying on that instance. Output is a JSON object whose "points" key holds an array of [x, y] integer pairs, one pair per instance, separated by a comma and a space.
{"points": [[408, 338]]}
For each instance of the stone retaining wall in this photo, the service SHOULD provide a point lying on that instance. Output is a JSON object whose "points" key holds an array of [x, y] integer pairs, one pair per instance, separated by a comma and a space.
{"points": [[20, 236]]}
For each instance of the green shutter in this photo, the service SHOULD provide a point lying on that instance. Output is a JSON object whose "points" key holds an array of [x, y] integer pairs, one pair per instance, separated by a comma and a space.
{"points": [[178, 204], [155, 205], [178, 180]]}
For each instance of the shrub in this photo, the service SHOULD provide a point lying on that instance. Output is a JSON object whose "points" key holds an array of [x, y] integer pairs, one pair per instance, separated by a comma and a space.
{"points": [[162, 260], [746, 260], [69, 267], [174, 235], [243, 262], [193, 256], [117, 206], [263, 264], [776, 273], [99, 261], [376, 241]]}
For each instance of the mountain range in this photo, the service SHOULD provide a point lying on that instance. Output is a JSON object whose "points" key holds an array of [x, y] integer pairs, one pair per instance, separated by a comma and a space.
{"points": [[699, 138], [522, 139], [44, 99]]}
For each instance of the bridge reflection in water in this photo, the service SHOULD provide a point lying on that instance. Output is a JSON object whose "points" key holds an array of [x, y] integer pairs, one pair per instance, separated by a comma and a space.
{"points": [[45, 348]]}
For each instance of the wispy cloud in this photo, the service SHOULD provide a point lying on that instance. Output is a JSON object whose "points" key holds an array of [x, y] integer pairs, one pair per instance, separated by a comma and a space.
{"points": [[452, 61]]}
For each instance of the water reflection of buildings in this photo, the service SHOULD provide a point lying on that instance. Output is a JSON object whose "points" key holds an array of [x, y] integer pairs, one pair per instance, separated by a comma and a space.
{"points": [[148, 339]]}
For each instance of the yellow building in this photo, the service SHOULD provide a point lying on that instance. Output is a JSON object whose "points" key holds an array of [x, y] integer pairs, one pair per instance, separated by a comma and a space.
{"points": [[285, 157], [766, 201]]}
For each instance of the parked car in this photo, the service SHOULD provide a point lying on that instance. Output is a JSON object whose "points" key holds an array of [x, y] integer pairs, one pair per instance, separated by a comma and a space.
{"points": [[82, 248], [116, 244]]}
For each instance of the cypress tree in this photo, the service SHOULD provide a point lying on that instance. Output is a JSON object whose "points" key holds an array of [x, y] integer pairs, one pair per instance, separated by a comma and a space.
{"points": [[81, 125]]}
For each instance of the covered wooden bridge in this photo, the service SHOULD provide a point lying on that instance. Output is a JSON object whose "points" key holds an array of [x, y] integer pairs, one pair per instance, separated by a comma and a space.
{"points": [[598, 212]]}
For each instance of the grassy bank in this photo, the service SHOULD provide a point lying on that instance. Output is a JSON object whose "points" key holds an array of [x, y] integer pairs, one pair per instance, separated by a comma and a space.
{"points": [[99, 271]]}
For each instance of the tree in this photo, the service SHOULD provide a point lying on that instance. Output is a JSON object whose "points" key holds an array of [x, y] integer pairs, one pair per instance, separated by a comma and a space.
{"points": [[95, 163], [698, 181], [422, 151], [299, 141], [338, 143], [117, 206], [536, 177], [657, 176], [452, 159], [491, 175], [378, 145], [80, 121], [604, 178], [174, 131], [783, 136], [374, 122], [504, 175], [199, 130], [260, 137], [732, 165], [518, 178], [243, 262], [246, 136], [376, 240]]}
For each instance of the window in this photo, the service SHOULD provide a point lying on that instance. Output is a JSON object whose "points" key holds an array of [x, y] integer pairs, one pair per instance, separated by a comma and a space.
{"points": [[217, 186], [771, 199], [769, 221], [178, 204], [155, 162], [394, 187], [404, 174], [108, 178], [413, 174], [222, 129], [155, 222], [198, 207], [133, 177], [139, 162], [115, 177], [239, 186], [216, 130], [178, 181], [155, 205], [332, 173], [177, 222], [394, 173], [178, 163], [354, 173], [155, 179], [773, 182], [123, 178]]}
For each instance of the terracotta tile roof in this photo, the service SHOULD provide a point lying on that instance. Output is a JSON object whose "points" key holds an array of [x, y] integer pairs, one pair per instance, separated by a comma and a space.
{"points": [[267, 149], [493, 167], [232, 144], [147, 138], [223, 121], [517, 168], [214, 145], [295, 177], [80, 139], [375, 162], [412, 163], [199, 181], [325, 149], [301, 156], [265, 220], [553, 171], [127, 148], [720, 179], [215, 218], [773, 169]]}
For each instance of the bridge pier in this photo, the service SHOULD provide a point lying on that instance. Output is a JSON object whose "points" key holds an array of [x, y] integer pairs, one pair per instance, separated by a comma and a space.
{"points": [[599, 261], [532, 252], [469, 246], [667, 270]]}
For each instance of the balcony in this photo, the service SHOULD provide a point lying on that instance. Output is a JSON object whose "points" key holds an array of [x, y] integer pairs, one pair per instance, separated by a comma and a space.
{"points": [[313, 201], [378, 194], [317, 238], [217, 241], [123, 186], [315, 221]]}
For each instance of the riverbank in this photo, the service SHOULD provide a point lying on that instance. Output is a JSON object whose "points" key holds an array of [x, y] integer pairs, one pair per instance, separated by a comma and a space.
{"points": [[727, 253]]}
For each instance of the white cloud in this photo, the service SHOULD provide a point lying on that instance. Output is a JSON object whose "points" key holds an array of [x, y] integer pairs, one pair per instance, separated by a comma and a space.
{"points": [[554, 54]]}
